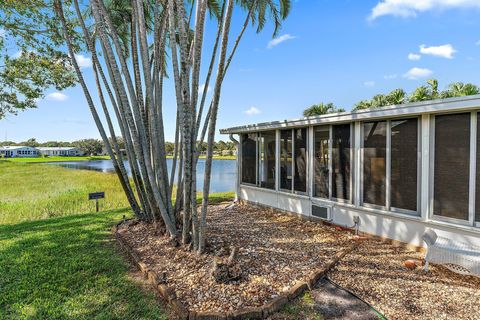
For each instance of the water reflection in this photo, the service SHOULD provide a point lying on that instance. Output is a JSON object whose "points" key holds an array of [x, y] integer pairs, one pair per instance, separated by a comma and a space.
{"points": [[223, 171]]}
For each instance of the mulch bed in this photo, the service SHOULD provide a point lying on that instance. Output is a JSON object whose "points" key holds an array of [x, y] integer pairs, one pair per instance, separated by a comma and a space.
{"points": [[375, 271], [275, 251]]}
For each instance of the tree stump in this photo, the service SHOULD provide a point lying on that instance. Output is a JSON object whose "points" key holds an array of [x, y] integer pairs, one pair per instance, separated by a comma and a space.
{"points": [[227, 271]]}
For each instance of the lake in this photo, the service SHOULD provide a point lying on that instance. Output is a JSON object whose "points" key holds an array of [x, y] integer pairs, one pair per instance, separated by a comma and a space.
{"points": [[224, 172]]}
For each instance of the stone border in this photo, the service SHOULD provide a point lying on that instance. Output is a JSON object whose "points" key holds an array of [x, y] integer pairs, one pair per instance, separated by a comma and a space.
{"points": [[262, 312]]}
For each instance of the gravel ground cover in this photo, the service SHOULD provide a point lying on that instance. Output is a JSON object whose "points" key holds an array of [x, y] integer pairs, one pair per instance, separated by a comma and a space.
{"points": [[376, 273], [275, 250]]}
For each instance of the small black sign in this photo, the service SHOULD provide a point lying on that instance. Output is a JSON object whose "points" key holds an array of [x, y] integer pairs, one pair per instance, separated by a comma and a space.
{"points": [[96, 195]]}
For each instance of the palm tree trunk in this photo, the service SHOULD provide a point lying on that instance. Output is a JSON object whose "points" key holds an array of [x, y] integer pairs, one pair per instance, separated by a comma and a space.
{"points": [[59, 12], [212, 122], [117, 163]]}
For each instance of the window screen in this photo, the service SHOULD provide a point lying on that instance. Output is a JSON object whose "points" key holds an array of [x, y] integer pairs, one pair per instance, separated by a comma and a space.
{"points": [[451, 165], [374, 162], [286, 159], [341, 161], [477, 186], [404, 164], [249, 158], [321, 155], [300, 180], [266, 159]]}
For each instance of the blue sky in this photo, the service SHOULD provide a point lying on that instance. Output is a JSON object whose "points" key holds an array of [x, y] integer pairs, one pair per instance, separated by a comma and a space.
{"points": [[339, 51]]}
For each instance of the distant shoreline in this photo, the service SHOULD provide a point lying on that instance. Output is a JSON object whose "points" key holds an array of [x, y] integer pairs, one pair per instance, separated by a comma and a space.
{"points": [[86, 158]]}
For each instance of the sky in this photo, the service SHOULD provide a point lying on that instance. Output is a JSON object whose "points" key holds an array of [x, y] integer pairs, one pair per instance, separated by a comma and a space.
{"points": [[339, 51]]}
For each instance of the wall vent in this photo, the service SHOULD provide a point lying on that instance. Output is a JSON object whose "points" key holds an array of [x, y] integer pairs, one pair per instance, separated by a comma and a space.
{"points": [[321, 212]]}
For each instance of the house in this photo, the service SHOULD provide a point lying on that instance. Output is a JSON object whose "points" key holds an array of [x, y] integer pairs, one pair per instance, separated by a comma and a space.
{"points": [[18, 152], [397, 170], [60, 151]]}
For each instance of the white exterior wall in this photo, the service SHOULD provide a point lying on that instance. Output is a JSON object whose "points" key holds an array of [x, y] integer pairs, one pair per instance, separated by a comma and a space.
{"points": [[60, 152], [18, 152], [396, 226]]}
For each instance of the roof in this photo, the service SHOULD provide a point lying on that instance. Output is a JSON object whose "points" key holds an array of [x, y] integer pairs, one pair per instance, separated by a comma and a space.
{"points": [[15, 147], [56, 148], [416, 108]]}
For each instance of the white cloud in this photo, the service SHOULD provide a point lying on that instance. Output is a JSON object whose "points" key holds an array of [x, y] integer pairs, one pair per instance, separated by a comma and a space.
{"points": [[17, 54], [202, 87], [410, 8], [417, 73], [414, 56], [369, 84], [278, 40], [444, 51], [83, 62], [477, 43], [252, 111], [57, 96], [390, 76]]}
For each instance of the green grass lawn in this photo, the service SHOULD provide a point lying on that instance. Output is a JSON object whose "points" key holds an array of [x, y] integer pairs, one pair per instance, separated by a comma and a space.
{"points": [[69, 268], [38, 191], [58, 259], [53, 159]]}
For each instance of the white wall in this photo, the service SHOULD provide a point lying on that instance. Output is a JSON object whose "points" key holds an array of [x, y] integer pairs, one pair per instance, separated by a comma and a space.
{"points": [[396, 226]]}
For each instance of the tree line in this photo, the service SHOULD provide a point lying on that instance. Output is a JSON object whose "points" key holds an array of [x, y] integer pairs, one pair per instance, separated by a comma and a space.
{"points": [[428, 91], [97, 147]]}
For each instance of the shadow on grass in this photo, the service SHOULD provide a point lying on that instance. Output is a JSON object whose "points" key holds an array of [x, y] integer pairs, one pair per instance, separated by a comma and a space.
{"points": [[68, 268]]}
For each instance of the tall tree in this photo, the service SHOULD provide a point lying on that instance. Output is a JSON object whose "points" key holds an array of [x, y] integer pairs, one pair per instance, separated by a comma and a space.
{"points": [[460, 89], [31, 60], [89, 146], [32, 142], [321, 109], [130, 65], [426, 92]]}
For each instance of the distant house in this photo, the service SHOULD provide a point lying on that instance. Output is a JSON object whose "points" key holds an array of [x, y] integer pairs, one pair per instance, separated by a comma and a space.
{"points": [[60, 151], [227, 153], [18, 152]]}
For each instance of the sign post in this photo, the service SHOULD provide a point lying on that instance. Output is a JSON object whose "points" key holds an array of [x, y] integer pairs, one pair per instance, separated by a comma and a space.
{"points": [[95, 196]]}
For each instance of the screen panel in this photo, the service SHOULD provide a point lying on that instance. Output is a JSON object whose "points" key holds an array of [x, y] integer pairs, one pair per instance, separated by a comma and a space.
{"points": [[266, 159], [404, 164], [321, 159], [286, 157], [249, 158], [341, 167], [477, 184], [374, 162], [300, 154], [452, 165]]}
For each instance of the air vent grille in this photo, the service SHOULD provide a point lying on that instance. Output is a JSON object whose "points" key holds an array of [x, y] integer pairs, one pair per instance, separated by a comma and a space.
{"points": [[320, 212]]}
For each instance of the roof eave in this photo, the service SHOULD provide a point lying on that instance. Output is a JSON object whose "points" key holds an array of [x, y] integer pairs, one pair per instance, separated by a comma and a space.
{"points": [[432, 106]]}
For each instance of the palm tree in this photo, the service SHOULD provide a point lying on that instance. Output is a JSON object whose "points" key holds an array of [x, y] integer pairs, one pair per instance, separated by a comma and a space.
{"points": [[379, 100], [460, 89], [131, 37], [321, 109], [397, 96], [364, 104], [422, 93], [433, 83]]}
